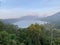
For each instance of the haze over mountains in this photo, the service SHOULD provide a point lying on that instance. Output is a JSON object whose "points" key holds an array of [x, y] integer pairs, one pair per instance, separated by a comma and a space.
{"points": [[24, 18], [53, 19]]}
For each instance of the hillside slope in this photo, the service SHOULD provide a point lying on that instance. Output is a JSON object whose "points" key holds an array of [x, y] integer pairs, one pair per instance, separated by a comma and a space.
{"points": [[53, 19]]}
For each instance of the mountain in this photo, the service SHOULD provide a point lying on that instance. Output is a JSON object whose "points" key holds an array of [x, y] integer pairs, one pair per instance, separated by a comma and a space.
{"points": [[9, 21], [24, 18], [55, 18]]}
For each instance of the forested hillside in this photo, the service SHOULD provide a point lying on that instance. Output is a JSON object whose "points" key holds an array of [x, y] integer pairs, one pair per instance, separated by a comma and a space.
{"points": [[35, 34]]}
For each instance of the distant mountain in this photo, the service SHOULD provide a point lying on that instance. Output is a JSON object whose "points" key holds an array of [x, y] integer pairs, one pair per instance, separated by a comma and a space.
{"points": [[9, 21], [25, 18], [53, 19]]}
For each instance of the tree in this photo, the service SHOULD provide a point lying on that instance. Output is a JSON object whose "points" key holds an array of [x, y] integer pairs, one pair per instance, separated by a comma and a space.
{"points": [[37, 33]]}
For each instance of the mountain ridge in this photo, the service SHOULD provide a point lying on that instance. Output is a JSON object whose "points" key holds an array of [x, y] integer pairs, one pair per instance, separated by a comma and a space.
{"points": [[55, 18], [24, 18]]}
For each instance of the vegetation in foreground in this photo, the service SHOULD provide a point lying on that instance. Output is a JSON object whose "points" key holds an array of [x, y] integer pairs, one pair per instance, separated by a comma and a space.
{"points": [[35, 34]]}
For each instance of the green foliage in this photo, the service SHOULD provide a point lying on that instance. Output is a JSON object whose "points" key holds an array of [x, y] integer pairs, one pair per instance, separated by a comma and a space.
{"points": [[35, 34]]}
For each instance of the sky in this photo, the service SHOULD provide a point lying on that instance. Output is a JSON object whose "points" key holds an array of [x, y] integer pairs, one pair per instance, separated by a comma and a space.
{"points": [[19, 8]]}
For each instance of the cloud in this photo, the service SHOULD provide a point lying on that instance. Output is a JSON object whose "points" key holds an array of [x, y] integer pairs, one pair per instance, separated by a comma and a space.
{"points": [[16, 13], [8, 14], [19, 8]]}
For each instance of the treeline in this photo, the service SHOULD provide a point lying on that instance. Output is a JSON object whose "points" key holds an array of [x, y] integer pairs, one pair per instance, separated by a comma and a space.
{"points": [[35, 34]]}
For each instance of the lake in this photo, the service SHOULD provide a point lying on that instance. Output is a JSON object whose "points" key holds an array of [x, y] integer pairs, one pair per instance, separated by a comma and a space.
{"points": [[24, 24]]}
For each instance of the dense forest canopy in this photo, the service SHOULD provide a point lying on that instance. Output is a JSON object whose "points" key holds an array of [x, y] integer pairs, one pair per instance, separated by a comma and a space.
{"points": [[35, 34]]}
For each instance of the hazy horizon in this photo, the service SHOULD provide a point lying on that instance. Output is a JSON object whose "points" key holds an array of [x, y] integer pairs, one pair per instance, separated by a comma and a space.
{"points": [[19, 8]]}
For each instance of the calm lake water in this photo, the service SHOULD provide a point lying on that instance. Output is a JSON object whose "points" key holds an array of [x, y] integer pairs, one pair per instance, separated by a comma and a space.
{"points": [[24, 24]]}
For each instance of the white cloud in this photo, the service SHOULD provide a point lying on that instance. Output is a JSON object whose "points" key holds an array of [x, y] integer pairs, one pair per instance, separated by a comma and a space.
{"points": [[16, 12]]}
